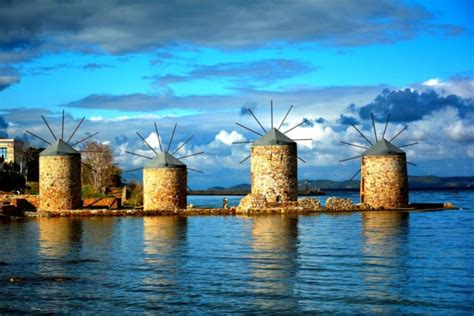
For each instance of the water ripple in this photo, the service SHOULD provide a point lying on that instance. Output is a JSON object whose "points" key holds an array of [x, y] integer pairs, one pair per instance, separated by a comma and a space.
{"points": [[371, 263]]}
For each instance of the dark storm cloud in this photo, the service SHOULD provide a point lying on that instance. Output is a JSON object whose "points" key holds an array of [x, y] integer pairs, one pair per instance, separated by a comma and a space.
{"points": [[311, 122], [143, 102], [242, 73], [307, 122], [24, 116], [29, 28], [146, 102], [244, 110], [347, 120], [7, 81], [411, 105], [8, 77]]}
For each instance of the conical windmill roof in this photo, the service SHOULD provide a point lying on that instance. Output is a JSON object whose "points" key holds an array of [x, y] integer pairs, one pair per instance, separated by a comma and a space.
{"points": [[164, 160], [273, 137], [383, 148], [59, 148]]}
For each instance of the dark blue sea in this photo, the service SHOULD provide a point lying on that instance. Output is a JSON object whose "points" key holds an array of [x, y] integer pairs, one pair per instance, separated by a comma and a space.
{"points": [[364, 263]]}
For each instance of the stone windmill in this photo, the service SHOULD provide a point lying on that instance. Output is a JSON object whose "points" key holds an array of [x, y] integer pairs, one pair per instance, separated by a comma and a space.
{"points": [[384, 179], [165, 177], [274, 167], [60, 171]]}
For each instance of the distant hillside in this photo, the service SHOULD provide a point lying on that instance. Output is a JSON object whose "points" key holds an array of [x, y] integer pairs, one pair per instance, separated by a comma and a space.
{"points": [[216, 188], [327, 184], [242, 186], [415, 182], [441, 182]]}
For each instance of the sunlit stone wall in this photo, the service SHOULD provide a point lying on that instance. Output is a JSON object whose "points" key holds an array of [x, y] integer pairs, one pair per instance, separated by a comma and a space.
{"points": [[274, 172], [60, 183], [164, 188], [384, 181]]}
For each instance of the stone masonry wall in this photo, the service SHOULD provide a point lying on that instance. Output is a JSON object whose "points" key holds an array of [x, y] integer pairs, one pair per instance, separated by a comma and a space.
{"points": [[60, 183], [384, 182], [164, 188], [274, 172]]}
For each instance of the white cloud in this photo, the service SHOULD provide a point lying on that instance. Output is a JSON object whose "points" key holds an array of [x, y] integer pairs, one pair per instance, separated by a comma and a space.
{"points": [[321, 134], [460, 86], [435, 82], [152, 139], [96, 118], [229, 138], [470, 151], [460, 132], [444, 136]]}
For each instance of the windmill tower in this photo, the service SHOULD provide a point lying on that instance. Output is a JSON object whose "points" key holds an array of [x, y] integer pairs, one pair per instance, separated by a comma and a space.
{"points": [[273, 167], [165, 177], [60, 185], [384, 179]]}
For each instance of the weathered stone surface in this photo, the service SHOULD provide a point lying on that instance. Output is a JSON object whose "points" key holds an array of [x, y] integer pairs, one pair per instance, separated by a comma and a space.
{"points": [[255, 204], [60, 182], [132, 212], [164, 188], [309, 204], [335, 204], [384, 181], [363, 207], [252, 201], [274, 172], [197, 211]]}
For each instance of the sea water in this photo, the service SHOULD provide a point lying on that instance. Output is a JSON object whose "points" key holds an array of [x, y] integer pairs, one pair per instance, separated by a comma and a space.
{"points": [[371, 263]]}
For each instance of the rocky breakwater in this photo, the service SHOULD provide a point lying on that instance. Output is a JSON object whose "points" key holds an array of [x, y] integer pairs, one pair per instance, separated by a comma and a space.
{"points": [[334, 204], [189, 211], [257, 204]]}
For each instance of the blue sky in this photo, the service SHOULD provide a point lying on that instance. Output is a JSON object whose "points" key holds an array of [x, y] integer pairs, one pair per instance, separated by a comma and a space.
{"points": [[125, 66]]}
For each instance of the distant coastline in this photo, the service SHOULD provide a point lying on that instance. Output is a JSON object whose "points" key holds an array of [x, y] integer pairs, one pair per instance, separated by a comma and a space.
{"points": [[309, 187]]}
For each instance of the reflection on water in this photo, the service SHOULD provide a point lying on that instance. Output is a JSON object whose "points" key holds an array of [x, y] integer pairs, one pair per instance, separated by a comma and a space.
{"points": [[163, 238], [275, 249], [162, 234], [57, 236], [385, 239], [384, 233], [98, 232], [354, 263]]}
